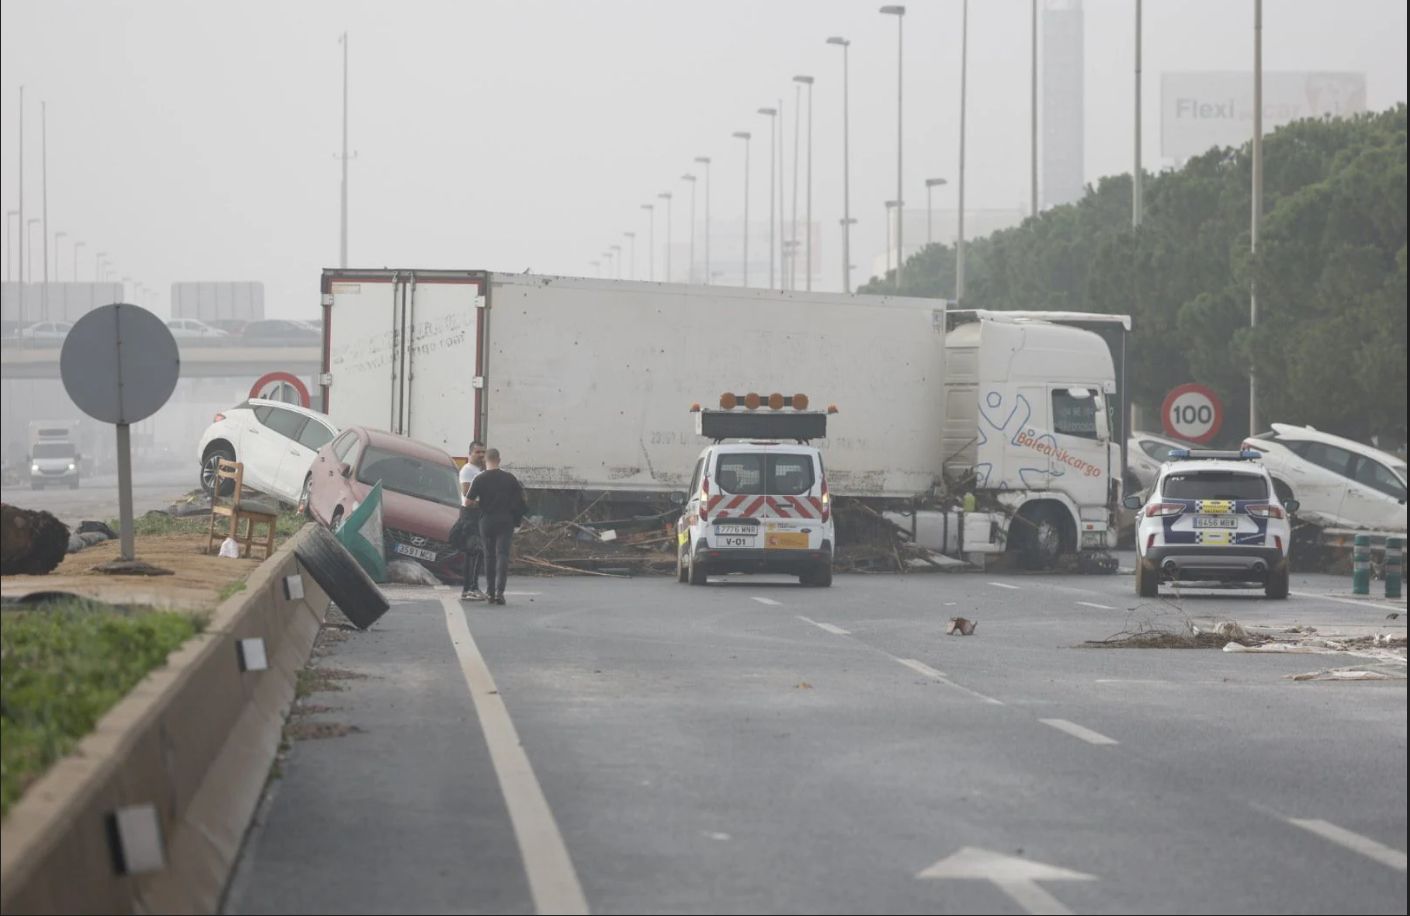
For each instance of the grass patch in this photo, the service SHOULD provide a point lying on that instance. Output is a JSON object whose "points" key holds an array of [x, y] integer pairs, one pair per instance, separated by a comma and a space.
{"points": [[154, 523], [231, 588], [61, 669]]}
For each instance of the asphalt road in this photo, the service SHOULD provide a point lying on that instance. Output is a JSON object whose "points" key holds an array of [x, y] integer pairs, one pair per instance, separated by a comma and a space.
{"points": [[97, 496], [645, 747]]}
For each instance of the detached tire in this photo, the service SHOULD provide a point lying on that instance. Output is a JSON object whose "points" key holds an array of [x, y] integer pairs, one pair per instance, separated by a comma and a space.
{"points": [[1147, 580], [1277, 584], [340, 576]]}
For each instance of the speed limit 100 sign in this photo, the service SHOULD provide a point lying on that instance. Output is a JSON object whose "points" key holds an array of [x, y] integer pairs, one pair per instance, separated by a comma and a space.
{"points": [[1192, 412]]}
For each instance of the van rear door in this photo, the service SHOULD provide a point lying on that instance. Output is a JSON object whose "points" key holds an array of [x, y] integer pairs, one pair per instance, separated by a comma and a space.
{"points": [[773, 491]]}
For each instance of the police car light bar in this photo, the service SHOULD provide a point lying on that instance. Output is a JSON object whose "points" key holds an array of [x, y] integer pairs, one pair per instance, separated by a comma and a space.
{"points": [[1211, 454]]}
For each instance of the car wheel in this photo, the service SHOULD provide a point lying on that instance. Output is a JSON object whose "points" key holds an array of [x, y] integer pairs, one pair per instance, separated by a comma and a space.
{"points": [[342, 578], [1277, 584], [682, 571], [336, 520], [696, 575], [1147, 579], [210, 469], [821, 577]]}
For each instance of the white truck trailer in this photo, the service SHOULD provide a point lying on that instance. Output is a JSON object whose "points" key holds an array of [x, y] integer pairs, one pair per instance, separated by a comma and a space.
{"points": [[586, 384]]}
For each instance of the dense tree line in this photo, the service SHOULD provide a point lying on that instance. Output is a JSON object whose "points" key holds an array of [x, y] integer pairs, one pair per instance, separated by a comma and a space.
{"points": [[1330, 345]]}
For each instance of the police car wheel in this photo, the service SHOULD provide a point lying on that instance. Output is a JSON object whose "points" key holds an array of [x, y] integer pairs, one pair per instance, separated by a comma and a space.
{"points": [[1147, 580], [1277, 584]]}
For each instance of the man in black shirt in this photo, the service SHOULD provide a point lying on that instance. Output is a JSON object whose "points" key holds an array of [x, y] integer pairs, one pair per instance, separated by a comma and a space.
{"points": [[500, 498]]}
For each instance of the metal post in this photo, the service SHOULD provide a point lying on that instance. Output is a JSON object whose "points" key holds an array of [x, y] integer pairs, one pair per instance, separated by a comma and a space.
{"points": [[744, 135], [1361, 565], [772, 113], [343, 236], [650, 242], [631, 236], [124, 469], [44, 203], [1136, 176], [846, 176], [9, 246], [22, 226], [808, 219], [792, 274], [76, 246], [964, 72], [1395, 551], [666, 196], [929, 210], [900, 13], [705, 161], [1033, 117], [1257, 215], [690, 273]]}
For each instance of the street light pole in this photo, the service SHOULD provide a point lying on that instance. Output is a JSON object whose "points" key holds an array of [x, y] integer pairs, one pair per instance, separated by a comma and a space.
{"points": [[929, 209], [1257, 215], [57, 236], [705, 161], [690, 273], [98, 260], [964, 72], [891, 206], [1136, 177], [29, 234], [343, 234], [900, 13], [44, 202], [9, 246], [617, 258], [790, 258], [745, 135], [597, 268], [631, 236], [76, 246], [650, 241], [666, 196], [846, 188], [772, 114], [1033, 115], [21, 225], [808, 212]]}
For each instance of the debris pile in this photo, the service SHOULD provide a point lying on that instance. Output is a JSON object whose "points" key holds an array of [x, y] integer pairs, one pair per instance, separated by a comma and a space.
{"points": [[867, 542], [31, 541], [642, 545]]}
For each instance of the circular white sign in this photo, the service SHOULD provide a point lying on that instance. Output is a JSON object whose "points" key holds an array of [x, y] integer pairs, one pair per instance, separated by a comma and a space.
{"points": [[119, 363], [1192, 412]]}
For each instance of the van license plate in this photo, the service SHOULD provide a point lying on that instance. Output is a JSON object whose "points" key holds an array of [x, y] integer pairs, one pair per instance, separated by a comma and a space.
{"points": [[1215, 521], [735, 540], [749, 530], [416, 552]]}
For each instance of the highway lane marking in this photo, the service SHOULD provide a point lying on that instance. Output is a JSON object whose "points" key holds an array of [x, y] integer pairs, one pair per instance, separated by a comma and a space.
{"points": [[1005, 585], [1371, 849], [769, 601], [825, 626], [553, 881], [921, 667], [1100, 607], [1375, 604], [1077, 731]]}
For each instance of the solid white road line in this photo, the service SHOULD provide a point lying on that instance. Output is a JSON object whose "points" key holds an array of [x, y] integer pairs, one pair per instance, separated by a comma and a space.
{"points": [[1005, 585], [1386, 855], [769, 601], [1361, 601], [825, 626], [1077, 731], [552, 880], [1100, 607], [922, 668]]}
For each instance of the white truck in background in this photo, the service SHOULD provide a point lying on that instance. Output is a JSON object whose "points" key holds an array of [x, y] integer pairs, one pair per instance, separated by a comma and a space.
{"points": [[585, 386], [53, 454]]}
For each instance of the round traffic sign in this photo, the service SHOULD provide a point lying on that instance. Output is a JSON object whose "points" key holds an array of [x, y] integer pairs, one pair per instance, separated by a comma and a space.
{"points": [[119, 363], [1192, 412], [281, 386]]}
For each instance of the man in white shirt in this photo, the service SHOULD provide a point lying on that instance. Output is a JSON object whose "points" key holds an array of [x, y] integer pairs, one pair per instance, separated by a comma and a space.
{"points": [[470, 516]]}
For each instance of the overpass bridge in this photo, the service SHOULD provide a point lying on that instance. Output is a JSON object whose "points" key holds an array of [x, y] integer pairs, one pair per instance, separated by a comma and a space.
{"points": [[39, 359]]}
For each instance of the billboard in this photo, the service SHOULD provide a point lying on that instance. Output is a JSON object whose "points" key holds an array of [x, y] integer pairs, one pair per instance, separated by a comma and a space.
{"points": [[1202, 110], [210, 301]]}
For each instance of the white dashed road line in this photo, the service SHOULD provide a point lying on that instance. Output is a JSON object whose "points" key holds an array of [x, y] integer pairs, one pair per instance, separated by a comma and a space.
{"points": [[1361, 601], [1077, 731], [1100, 607], [553, 882], [1371, 849], [1005, 585], [922, 668], [769, 601], [825, 626]]}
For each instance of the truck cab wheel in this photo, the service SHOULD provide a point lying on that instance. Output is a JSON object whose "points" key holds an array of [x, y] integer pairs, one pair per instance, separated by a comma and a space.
{"points": [[1041, 541]]}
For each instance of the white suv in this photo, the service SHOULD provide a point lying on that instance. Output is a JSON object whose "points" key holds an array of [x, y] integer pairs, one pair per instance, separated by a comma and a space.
{"points": [[1339, 482], [275, 441], [1212, 517]]}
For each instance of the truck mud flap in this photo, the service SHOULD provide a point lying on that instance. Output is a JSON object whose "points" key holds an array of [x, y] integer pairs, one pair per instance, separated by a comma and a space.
{"points": [[342, 578]]}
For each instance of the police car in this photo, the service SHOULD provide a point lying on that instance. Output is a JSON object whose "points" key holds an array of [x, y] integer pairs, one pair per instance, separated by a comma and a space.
{"points": [[1212, 516], [758, 499]]}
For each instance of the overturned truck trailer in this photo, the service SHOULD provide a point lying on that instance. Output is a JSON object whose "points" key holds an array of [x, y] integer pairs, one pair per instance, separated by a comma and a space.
{"points": [[585, 385]]}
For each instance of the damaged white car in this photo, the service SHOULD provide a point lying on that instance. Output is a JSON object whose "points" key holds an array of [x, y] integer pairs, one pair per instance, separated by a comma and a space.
{"points": [[1339, 483]]}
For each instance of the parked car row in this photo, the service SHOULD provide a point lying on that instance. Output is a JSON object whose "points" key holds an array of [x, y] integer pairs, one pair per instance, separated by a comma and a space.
{"points": [[263, 332]]}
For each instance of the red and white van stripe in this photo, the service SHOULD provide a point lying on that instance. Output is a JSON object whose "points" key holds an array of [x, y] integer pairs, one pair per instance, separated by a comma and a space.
{"points": [[745, 506]]}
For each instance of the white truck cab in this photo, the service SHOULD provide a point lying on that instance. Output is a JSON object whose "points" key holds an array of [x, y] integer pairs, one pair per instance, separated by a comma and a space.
{"points": [[757, 505]]}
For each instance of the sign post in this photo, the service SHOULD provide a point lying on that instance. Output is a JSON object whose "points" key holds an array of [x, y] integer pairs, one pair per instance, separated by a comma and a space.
{"points": [[1193, 413], [119, 365]]}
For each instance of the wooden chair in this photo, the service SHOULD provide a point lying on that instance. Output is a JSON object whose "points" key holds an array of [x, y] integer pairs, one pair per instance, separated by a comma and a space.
{"points": [[237, 508]]}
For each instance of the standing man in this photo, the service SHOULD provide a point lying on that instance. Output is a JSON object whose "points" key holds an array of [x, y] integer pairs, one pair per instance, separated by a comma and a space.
{"points": [[469, 525], [500, 499]]}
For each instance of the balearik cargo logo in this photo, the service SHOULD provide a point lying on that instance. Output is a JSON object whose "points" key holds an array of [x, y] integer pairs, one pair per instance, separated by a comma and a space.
{"points": [[1030, 438]]}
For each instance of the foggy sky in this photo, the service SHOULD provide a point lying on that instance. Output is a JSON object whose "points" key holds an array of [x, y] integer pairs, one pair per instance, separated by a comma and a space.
{"points": [[197, 141]]}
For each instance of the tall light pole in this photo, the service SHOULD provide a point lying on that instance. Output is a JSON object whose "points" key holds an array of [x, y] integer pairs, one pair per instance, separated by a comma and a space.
{"points": [[650, 241], [847, 220], [98, 260], [1033, 114], [929, 208], [343, 234], [611, 273], [900, 13], [964, 72], [632, 237], [744, 135], [596, 267], [44, 202], [1136, 190], [892, 205], [1257, 215], [790, 256], [21, 224], [772, 114], [76, 246], [57, 236], [705, 161], [9, 244], [690, 274], [617, 259], [29, 234], [666, 196], [808, 217]]}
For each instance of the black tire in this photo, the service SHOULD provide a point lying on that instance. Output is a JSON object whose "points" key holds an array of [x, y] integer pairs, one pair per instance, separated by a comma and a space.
{"points": [[340, 576], [820, 577], [1042, 540], [1277, 584], [209, 468], [682, 571], [696, 574], [1147, 580]]}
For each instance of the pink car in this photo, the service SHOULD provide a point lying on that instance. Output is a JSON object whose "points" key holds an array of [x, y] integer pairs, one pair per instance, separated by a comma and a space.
{"points": [[420, 493]]}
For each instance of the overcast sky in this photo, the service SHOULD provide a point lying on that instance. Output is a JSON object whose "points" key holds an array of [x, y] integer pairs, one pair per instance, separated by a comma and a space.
{"points": [[197, 141]]}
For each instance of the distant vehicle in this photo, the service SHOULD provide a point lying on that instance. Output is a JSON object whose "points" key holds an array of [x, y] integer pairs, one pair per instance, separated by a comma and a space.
{"points": [[420, 493], [1212, 517], [281, 330], [193, 327], [45, 330], [1146, 452], [53, 454], [275, 441], [1339, 482], [231, 326]]}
